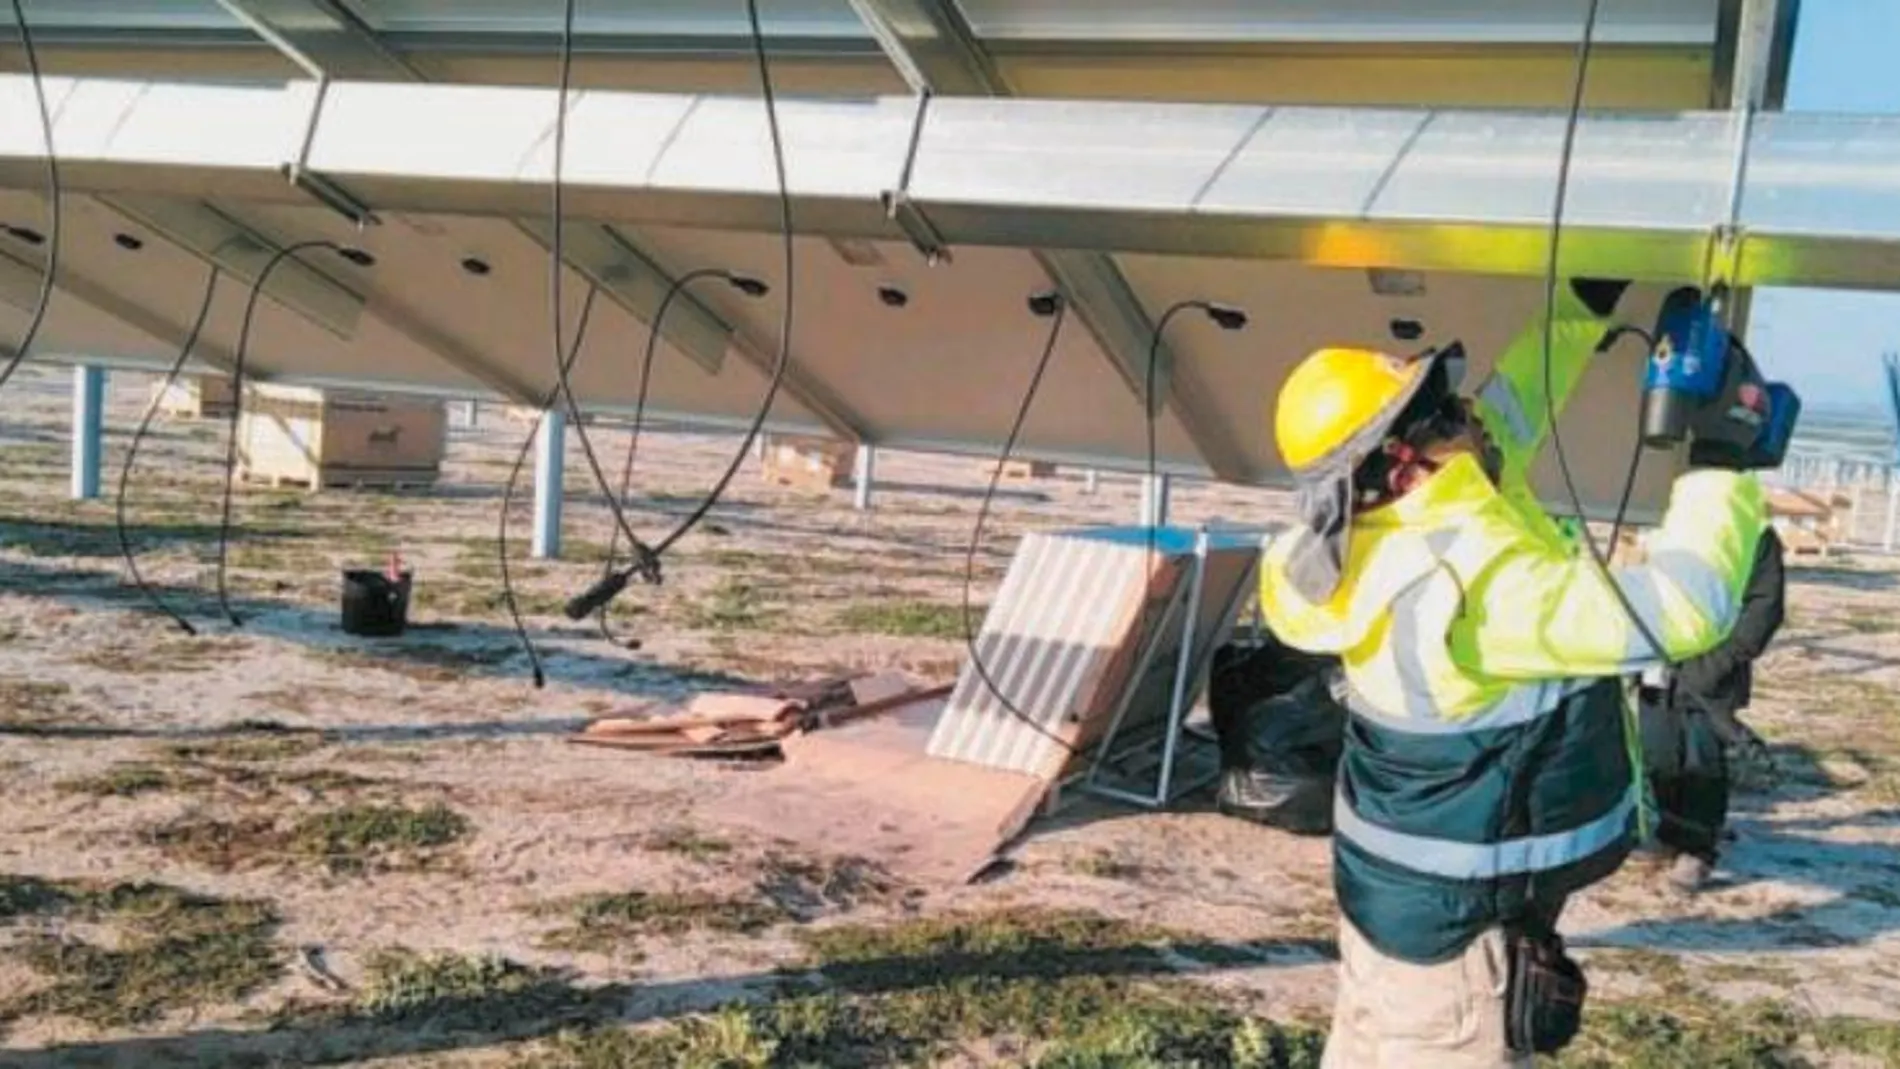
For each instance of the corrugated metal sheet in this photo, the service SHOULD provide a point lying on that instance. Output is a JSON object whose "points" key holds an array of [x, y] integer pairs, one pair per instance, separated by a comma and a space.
{"points": [[1064, 634]]}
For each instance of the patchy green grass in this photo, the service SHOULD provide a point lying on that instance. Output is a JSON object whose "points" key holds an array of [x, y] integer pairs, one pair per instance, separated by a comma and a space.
{"points": [[251, 742], [1868, 623], [172, 653], [130, 779], [1104, 865], [734, 604], [908, 619], [804, 886], [423, 664], [353, 838], [1879, 1040], [22, 896], [277, 561], [28, 704], [168, 950], [687, 841], [463, 992], [778, 565], [1680, 1025], [600, 921], [1080, 992]]}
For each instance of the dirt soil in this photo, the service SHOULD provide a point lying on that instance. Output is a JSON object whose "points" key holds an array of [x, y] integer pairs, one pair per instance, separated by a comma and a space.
{"points": [[418, 795]]}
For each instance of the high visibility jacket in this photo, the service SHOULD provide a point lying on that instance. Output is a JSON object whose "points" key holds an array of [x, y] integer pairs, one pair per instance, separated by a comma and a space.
{"points": [[1486, 768]]}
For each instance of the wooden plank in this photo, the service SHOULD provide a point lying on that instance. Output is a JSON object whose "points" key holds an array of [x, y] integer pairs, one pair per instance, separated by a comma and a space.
{"points": [[869, 790]]}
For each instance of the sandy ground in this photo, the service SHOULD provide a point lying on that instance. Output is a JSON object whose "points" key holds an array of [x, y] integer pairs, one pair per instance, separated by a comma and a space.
{"points": [[1807, 906]]}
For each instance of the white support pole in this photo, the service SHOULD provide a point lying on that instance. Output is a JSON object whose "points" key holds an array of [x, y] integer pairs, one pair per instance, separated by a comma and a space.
{"points": [[1091, 481], [1154, 501], [864, 476], [550, 461], [89, 398], [1893, 505]]}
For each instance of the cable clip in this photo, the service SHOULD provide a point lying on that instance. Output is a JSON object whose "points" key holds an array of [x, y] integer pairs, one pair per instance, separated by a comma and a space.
{"points": [[905, 212]]}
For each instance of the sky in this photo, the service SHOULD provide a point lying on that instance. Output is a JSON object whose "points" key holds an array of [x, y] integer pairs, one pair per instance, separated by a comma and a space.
{"points": [[1827, 344]]}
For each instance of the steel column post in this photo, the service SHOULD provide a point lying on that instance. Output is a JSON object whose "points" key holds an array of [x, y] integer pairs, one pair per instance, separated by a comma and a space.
{"points": [[89, 396], [550, 462], [864, 476], [1154, 501]]}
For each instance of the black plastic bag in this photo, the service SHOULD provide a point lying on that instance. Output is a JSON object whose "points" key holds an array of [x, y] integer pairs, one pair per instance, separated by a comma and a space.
{"points": [[1281, 733]]}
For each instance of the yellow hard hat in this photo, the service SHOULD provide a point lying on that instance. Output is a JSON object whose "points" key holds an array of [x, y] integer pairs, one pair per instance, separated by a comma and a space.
{"points": [[1336, 396]]}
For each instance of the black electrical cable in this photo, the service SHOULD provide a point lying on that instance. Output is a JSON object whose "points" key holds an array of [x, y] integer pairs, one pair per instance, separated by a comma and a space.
{"points": [[1636, 452], [55, 208], [1228, 319], [1573, 120], [132, 452], [508, 497], [237, 408], [784, 358], [646, 561], [751, 287], [609, 587], [1059, 313]]}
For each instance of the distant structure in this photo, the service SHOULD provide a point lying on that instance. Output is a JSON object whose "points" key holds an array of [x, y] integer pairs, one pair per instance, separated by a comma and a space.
{"points": [[1892, 362]]}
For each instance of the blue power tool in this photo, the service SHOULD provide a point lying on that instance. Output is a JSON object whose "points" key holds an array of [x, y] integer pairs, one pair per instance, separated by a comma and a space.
{"points": [[1702, 384]]}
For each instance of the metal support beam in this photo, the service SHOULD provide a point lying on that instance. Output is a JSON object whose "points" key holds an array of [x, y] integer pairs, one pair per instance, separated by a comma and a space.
{"points": [[1753, 52], [864, 476], [933, 46], [1154, 501], [89, 400], [322, 36], [113, 303], [800, 386], [1102, 299], [1756, 79], [636, 282], [550, 462], [325, 34]]}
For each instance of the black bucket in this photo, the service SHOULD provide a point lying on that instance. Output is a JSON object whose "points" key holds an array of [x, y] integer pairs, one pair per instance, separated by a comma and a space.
{"points": [[374, 606]]}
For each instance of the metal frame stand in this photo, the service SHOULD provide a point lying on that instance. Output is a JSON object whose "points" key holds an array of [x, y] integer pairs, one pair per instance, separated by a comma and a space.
{"points": [[1165, 790]]}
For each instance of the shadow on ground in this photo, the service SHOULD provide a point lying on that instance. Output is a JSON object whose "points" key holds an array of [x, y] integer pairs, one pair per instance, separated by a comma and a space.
{"points": [[1844, 578], [432, 649], [72, 539]]}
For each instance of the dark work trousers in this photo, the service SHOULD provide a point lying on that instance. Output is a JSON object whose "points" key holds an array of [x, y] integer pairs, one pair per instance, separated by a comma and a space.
{"points": [[1688, 770]]}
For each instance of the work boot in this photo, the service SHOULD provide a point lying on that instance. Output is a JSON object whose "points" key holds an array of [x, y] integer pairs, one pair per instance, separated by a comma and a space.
{"points": [[1690, 873], [1653, 855], [1264, 798]]}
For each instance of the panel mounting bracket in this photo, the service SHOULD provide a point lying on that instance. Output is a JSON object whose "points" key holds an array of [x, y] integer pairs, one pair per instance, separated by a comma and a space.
{"points": [[905, 212]]}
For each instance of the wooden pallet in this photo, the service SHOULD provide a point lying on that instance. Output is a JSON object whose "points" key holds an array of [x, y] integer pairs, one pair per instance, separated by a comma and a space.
{"points": [[1029, 469], [351, 479], [818, 464]]}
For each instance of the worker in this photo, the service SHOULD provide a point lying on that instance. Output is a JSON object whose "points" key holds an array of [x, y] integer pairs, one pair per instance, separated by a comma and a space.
{"points": [[1485, 774], [1690, 719]]}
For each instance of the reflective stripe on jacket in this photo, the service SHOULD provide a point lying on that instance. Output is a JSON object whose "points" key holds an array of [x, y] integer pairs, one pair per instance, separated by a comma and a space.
{"points": [[1485, 762]]}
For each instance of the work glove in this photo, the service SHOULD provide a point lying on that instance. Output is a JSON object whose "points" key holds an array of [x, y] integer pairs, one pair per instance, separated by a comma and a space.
{"points": [[1599, 295]]}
